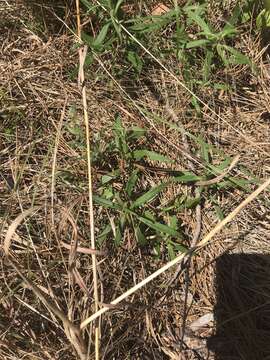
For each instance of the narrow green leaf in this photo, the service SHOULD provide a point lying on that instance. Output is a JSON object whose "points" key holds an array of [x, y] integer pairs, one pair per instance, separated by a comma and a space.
{"points": [[123, 220], [116, 25], [234, 183], [117, 6], [179, 247], [173, 222], [200, 21], [197, 43], [152, 23], [118, 236], [207, 65], [160, 227], [87, 39], [148, 196], [186, 178], [105, 202], [204, 149], [107, 178], [119, 200], [103, 235], [118, 126], [88, 5], [120, 136], [196, 104], [222, 54], [236, 56], [136, 132], [151, 155], [236, 13], [108, 192], [190, 203], [157, 247], [228, 32], [141, 239], [263, 19], [218, 169], [135, 60], [219, 212], [171, 251], [99, 39], [149, 215], [132, 182]]}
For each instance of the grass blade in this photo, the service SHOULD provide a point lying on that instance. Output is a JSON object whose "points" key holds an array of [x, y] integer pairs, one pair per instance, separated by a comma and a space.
{"points": [[148, 196]]}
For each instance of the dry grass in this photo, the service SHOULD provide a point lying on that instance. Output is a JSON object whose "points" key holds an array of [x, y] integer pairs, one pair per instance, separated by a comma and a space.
{"points": [[36, 89]]}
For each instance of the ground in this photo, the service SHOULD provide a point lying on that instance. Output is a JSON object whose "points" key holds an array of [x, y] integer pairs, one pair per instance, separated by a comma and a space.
{"points": [[177, 141]]}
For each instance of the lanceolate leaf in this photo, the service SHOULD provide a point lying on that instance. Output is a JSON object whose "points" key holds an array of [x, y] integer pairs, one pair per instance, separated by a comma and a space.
{"points": [[222, 53], [135, 60], [99, 40], [197, 43], [105, 232], [187, 177], [140, 236], [160, 227], [236, 13], [132, 182], [200, 21], [105, 202], [148, 196], [236, 57], [151, 155]]}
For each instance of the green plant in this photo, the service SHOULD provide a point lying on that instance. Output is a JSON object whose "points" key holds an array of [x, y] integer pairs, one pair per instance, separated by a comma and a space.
{"points": [[263, 18], [109, 31], [184, 34], [214, 42], [206, 42], [130, 203], [201, 49], [138, 208]]}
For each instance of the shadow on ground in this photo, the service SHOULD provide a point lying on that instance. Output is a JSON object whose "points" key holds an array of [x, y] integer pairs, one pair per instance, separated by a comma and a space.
{"points": [[242, 311]]}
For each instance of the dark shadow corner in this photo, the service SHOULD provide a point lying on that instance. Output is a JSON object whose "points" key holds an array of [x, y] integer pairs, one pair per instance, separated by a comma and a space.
{"points": [[242, 312]]}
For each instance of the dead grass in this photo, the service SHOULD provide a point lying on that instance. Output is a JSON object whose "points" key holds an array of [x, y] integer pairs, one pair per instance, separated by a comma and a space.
{"points": [[35, 82]]}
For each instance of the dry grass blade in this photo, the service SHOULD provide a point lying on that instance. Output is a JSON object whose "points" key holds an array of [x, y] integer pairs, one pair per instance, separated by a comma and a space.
{"points": [[79, 280], [73, 333], [179, 258], [83, 250], [12, 228], [81, 80], [58, 134]]}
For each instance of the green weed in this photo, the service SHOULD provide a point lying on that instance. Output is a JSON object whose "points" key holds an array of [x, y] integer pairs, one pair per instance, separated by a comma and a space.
{"points": [[135, 205], [120, 191], [186, 36], [190, 38]]}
